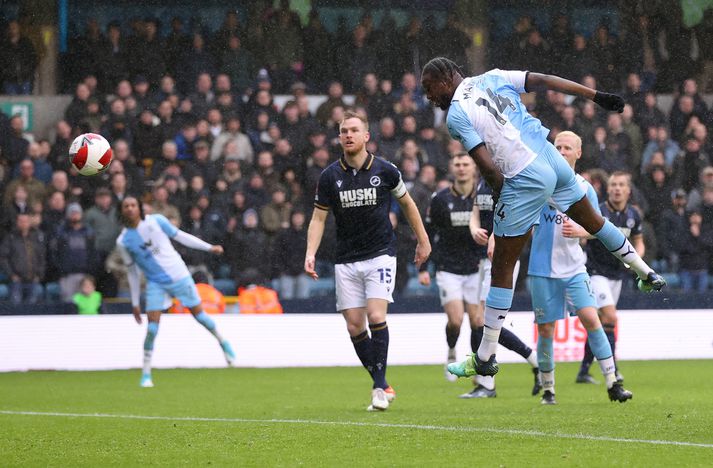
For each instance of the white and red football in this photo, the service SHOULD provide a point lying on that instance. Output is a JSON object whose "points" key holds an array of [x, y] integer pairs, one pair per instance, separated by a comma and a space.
{"points": [[90, 154]]}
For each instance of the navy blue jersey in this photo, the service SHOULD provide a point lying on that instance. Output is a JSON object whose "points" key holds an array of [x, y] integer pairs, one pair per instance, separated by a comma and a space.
{"points": [[484, 200], [360, 200], [454, 249], [599, 260]]}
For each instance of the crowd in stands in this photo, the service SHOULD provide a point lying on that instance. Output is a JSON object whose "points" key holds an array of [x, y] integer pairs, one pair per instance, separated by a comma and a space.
{"points": [[197, 136]]}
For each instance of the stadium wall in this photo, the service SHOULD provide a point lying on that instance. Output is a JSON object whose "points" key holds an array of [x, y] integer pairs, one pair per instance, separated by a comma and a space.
{"points": [[297, 340]]}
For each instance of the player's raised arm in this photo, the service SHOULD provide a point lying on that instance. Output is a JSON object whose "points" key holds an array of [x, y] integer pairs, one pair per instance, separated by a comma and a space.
{"points": [[314, 238], [423, 246], [542, 82]]}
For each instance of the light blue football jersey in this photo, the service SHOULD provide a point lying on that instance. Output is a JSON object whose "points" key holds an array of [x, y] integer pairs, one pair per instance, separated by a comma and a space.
{"points": [[487, 109]]}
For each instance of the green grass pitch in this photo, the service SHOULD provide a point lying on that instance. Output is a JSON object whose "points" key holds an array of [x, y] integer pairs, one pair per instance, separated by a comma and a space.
{"points": [[317, 417]]}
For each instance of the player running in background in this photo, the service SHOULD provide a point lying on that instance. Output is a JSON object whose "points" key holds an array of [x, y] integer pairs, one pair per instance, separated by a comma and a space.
{"points": [[607, 274], [358, 188], [145, 245], [559, 283], [510, 147], [462, 266]]}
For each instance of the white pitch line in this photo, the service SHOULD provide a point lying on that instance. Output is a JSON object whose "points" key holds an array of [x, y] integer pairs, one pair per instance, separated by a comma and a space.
{"points": [[421, 427]]}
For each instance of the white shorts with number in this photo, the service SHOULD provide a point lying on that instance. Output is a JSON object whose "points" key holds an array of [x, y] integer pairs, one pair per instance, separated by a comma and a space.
{"points": [[368, 279], [606, 291], [455, 287]]}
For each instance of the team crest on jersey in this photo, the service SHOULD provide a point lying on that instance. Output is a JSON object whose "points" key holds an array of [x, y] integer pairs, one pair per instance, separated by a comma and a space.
{"points": [[450, 206], [375, 181], [339, 183], [630, 223]]}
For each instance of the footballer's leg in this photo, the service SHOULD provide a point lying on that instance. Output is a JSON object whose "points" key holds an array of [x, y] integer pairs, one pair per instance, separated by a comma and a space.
{"points": [[185, 291], [154, 317], [484, 385], [546, 360], [614, 240], [601, 348], [451, 292]]}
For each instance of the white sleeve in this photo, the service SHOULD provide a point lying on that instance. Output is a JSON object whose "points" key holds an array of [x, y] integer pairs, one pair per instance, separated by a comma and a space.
{"points": [[516, 78], [133, 275], [191, 241]]}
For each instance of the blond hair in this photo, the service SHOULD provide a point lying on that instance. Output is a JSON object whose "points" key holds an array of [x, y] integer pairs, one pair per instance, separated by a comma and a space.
{"points": [[574, 136]]}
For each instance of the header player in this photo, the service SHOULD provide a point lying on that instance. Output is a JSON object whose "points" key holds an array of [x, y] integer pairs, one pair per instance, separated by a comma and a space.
{"points": [[510, 147]]}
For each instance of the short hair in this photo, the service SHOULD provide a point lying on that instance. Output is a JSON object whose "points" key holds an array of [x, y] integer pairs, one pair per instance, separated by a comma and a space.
{"points": [[442, 66], [570, 134], [621, 174], [350, 114], [458, 154]]}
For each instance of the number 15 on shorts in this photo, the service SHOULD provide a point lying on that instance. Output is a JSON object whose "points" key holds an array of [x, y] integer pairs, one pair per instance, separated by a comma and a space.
{"points": [[384, 275]]}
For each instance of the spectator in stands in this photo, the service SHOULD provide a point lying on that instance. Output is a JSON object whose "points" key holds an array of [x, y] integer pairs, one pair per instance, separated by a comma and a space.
{"points": [[60, 148], [265, 167], [35, 189], [38, 153], [657, 187], [77, 109], [285, 54], [148, 58], [194, 62], [288, 253], [695, 197], [238, 63], [632, 130], [706, 211], [387, 142], [605, 56], [695, 257], [689, 164], [232, 133], [18, 61], [275, 216], [247, 248], [118, 122], [161, 205], [662, 143], [335, 97], [650, 115], [680, 116], [672, 230], [23, 260], [115, 55], [175, 44], [88, 300], [253, 297], [134, 173], [54, 213], [148, 137], [184, 141], [292, 128], [102, 219], [73, 252]]}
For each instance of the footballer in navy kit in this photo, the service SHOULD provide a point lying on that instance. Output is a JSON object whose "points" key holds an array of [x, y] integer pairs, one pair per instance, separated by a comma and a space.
{"points": [[462, 265], [358, 188], [607, 275]]}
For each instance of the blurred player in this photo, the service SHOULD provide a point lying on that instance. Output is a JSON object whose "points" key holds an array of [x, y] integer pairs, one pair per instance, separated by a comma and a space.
{"points": [[524, 170], [559, 282], [358, 188], [145, 245], [462, 266], [607, 274]]}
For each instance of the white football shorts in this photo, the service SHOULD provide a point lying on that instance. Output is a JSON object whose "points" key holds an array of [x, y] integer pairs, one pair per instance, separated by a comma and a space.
{"points": [[606, 291], [367, 279]]}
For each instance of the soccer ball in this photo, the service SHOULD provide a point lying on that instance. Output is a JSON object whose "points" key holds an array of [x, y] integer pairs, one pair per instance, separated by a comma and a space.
{"points": [[90, 154]]}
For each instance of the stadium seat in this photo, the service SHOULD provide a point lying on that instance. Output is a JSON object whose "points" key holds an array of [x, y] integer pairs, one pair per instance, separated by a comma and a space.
{"points": [[225, 286], [4, 292], [52, 292], [321, 287]]}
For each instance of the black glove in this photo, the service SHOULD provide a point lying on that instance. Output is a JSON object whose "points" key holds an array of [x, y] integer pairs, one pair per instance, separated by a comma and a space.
{"points": [[610, 102]]}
